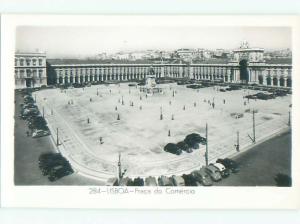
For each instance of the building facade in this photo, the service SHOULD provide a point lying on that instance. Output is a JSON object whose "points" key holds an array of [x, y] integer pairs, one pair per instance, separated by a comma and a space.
{"points": [[263, 74], [247, 65], [30, 70]]}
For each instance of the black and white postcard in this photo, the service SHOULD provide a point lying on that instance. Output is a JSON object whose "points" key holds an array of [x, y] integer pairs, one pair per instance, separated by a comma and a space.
{"points": [[149, 111]]}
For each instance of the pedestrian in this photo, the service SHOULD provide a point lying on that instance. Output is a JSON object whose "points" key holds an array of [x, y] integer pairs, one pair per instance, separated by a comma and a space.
{"points": [[224, 101], [213, 105], [27, 133]]}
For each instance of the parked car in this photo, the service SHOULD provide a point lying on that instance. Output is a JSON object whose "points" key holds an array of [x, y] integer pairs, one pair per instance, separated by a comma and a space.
{"points": [[184, 147], [177, 180], [190, 180], [213, 172], [40, 133], [29, 105], [113, 181], [165, 181], [194, 138], [239, 115], [150, 181], [126, 181], [223, 170], [196, 146], [229, 164], [138, 181], [172, 148], [202, 177]]}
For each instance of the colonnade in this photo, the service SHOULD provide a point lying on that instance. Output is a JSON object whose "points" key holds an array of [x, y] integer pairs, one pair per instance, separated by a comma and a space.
{"points": [[272, 75]]}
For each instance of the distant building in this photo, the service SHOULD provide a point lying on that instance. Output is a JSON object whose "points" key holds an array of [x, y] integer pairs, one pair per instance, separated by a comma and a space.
{"points": [[185, 54], [221, 53], [30, 70], [207, 54]]}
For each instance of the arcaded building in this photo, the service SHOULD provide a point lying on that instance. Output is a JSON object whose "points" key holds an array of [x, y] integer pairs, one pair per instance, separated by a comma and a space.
{"points": [[30, 70], [247, 65]]}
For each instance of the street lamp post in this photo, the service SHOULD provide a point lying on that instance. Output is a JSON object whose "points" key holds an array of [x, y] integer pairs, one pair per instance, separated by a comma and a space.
{"points": [[206, 149], [237, 146], [253, 126], [57, 140], [121, 174]]}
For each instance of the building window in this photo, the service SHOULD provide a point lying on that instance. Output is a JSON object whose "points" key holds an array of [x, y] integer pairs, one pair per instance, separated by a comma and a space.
{"points": [[21, 73], [40, 62], [40, 73], [28, 62], [34, 62], [22, 62], [28, 73], [34, 73], [16, 62]]}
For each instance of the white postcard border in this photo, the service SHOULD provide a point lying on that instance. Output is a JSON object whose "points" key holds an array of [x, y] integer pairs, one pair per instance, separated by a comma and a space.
{"points": [[79, 197]]}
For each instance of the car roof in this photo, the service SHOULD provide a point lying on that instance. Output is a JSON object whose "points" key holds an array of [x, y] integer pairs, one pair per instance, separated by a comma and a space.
{"points": [[219, 166], [178, 178], [202, 171], [212, 167]]}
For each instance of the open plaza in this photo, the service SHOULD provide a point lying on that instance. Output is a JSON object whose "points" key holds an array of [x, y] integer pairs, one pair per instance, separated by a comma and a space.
{"points": [[92, 125]]}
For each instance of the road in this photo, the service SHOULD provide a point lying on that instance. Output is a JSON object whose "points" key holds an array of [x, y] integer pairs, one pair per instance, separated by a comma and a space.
{"points": [[260, 165], [27, 152]]}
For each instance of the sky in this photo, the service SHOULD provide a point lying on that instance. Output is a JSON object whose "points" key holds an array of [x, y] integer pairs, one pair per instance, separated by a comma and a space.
{"points": [[59, 41]]}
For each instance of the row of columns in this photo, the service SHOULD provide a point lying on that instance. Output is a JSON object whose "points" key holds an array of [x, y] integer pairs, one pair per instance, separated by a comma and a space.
{"points": [[106, 73], [275, 81], [209, 70], [94, 78], [174, 71], [126, 73]]}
